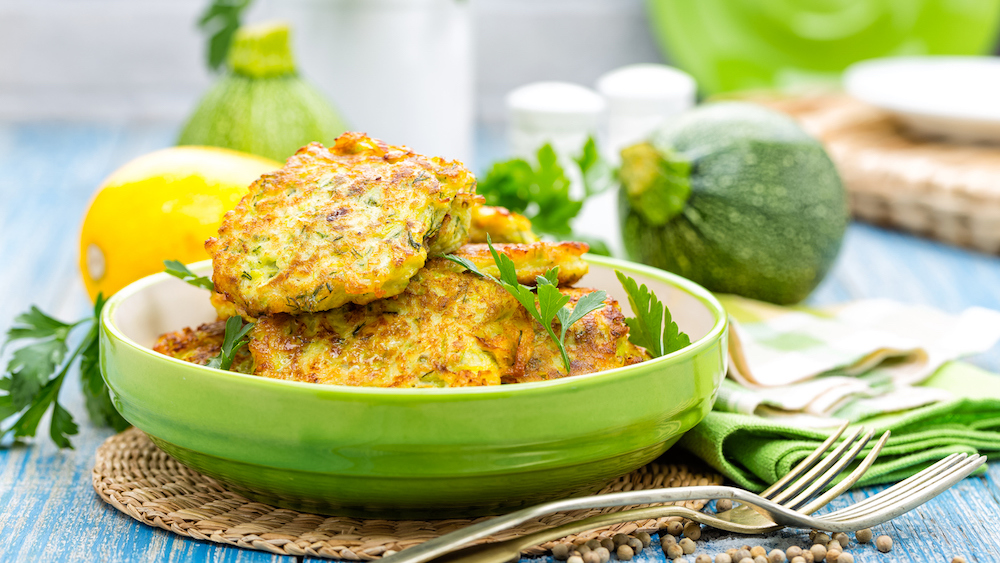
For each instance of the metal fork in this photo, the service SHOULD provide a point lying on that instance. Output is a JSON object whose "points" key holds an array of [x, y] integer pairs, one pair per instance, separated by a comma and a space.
{"points": [[793, 490], [872, 511]]}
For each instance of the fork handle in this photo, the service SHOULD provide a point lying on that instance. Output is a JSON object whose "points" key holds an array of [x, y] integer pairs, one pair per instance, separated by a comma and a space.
{"points": [[507, 549]]}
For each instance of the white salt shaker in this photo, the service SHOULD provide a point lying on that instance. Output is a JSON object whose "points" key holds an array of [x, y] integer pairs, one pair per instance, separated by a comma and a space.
{"points": [[559, 113], [639, 98]]}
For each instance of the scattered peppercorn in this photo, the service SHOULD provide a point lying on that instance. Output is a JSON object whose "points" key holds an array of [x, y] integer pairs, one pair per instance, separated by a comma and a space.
{"points": [[834, 544], [692, 530], [863, 536], [746, 560], [797, 559], [808, 556], [723, 558], [591, 557], [666, 540], [723, 505], [822, 538], [819, 551], [757, 550], [583, 549], [846, 558], [833, 556], [776, 556], [574, 559], [674, 551], [843, 539], [958, 559], [793, 551], [608, 544], [560, 551], [593, 543], [620, 539], [688, 545], [884, 544], [625, 552], [703, 559], [635, 544], [675, 528], [760, 559], [645, 538], [680, 560], [603, 553], [742, 554]]}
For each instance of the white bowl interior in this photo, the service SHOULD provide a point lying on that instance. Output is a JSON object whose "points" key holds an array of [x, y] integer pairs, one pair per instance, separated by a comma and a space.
{"points": [[168, 304]]}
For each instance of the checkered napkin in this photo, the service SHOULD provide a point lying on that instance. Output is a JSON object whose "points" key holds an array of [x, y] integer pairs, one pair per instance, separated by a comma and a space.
{"points": [[819, 368]]}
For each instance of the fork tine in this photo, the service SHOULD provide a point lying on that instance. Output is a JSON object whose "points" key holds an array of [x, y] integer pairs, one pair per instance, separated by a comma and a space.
{"points": [[822, 481], [848, 481], [804, 465], [794, 488], [956, 464]]}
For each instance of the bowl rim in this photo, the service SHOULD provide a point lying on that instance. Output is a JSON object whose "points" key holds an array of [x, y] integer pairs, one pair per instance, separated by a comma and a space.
{"points": [[599, 377]]}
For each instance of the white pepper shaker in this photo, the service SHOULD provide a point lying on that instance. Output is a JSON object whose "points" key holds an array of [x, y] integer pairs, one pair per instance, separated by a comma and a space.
{"points": [[639, 98], [559, 113]]}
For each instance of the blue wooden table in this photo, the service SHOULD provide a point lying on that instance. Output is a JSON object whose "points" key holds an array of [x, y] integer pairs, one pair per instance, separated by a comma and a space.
{"points": [[49, 511]]}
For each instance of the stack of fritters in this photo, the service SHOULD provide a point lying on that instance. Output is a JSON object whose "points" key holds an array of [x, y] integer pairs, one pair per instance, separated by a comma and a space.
{"points": [[329, 258]]}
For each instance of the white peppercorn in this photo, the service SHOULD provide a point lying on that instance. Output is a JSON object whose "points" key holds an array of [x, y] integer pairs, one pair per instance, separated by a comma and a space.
{"points": [[692, 530], [673, 551], [723, 505], [703, 559], [688, 545], [675, 528], [808, 556], [560, 551], [723, 558], [819, 551], [758, 550], [680, 560], [833, 556], [667, 539], [746, 560], [843, 539], [863, 536], [591, 557], [608, 544], [884, 544], [624, 552], [793, 551], [583, 549], [742, 554], [776, 556], [635, 544], [603, 553], [956, 559], [593, 543], [574, 559], [760, 559], [845, 558], [797, 559], [834, 544], [619, 539], [645, 538], [822, 538]]}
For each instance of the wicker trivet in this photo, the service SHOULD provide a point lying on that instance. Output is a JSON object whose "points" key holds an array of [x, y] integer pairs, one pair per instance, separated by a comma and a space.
{"points": [[139, 479]]}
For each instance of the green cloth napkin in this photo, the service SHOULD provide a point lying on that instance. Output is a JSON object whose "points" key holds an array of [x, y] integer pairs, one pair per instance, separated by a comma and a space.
{"points": [[755, 451]]}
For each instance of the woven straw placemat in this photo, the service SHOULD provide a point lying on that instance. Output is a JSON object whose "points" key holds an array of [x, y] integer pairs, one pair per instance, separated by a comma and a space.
{"points": [[139, 479]]}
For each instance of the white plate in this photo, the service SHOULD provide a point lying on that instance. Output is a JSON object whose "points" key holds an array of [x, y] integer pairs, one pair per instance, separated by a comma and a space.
{"points": [[955, 97]]}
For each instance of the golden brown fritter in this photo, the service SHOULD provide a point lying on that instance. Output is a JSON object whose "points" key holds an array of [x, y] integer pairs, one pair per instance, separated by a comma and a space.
{"points": [[348, 224], [200, 345], [447, 329], [531, 260], [502, 224], [597, 342]]}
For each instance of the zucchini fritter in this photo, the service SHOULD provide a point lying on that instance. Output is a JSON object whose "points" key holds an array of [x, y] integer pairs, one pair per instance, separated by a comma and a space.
{"points": [[597, 342], [531, 260], [199, 345], [447, 329], [502, 224], [348, 224]]}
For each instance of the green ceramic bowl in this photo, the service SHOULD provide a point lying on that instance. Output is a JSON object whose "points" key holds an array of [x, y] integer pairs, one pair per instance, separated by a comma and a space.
{"points": [[410, 453]]}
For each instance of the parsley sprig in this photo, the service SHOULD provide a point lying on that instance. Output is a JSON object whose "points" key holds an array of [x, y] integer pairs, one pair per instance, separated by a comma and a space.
{"points": [[541, 191], [236, 331], [35, 374], [546, 303], [234, 339], [652, 327], [177, 269]]}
